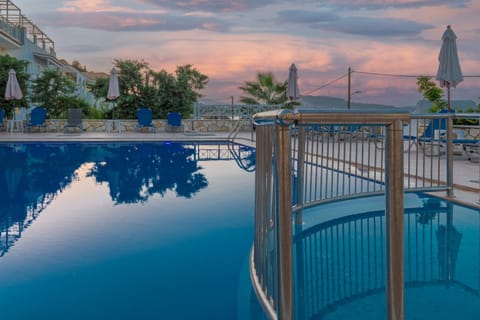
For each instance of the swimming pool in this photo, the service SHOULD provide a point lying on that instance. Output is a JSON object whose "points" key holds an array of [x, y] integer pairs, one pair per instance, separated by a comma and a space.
{"points": [[126, 231], [163, 231]]}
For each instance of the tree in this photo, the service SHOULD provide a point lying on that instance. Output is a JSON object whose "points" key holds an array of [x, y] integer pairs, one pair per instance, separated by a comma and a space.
{"points": [[266, 90], [430, 91], [177, 93], [132, 87], [162, 92], [99, 89], [55, 92], [77, 65], [6, 63]]}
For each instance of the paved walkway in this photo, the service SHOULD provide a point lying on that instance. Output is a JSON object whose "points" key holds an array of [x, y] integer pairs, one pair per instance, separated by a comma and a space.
{"points": [[466, 173]]}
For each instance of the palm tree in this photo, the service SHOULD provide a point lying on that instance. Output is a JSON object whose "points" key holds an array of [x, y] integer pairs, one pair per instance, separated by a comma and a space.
{"points": [[266, 90]]}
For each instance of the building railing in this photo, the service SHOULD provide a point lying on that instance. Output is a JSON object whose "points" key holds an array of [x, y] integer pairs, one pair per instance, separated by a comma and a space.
{"points": [[13, 32], [21, 28], [305, 158], [230, 111]]}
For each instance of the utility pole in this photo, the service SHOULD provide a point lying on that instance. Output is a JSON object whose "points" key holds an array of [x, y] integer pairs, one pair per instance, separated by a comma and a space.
{"points": [[349, 94]]}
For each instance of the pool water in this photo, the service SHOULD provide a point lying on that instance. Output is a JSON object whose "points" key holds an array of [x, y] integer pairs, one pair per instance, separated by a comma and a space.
{"points": [[340, 258], [163, 231], [126, 231]]}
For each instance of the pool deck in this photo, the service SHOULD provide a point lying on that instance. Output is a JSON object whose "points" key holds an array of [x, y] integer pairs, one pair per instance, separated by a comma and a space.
{"points": [[466, 173]]}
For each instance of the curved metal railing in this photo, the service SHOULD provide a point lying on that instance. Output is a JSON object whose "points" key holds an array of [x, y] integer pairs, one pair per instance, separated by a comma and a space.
{"points": [[305, 158], [300, 161]]}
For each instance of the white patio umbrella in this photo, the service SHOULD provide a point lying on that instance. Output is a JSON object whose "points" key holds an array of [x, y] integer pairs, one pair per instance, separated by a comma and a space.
{"points": [[113, 88], [293, 93], [13, 91], [449, 72]]}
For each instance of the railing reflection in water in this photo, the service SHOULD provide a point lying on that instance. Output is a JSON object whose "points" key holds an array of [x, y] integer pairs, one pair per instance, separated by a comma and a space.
{"points": [[343, 259]]}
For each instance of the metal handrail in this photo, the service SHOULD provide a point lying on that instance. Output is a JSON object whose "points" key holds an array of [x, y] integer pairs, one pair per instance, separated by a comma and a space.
{"points": [[274, 205], [236, 129], [306, 157]]}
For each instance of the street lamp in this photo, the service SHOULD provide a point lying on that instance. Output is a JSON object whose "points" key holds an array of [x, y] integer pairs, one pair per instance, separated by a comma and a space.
{"points": [[350, 97]]}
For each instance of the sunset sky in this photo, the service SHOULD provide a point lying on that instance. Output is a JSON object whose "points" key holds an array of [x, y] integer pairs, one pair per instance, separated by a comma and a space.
{"points": [[230, 41]]}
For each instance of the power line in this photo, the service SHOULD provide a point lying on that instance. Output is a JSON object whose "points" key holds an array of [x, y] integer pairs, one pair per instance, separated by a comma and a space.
{"points": [[327, 84], [391, 74], [405, 75]]}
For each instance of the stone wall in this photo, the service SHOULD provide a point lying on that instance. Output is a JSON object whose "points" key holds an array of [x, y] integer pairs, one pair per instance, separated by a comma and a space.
{"points": [[213, 125], [92, 125]]}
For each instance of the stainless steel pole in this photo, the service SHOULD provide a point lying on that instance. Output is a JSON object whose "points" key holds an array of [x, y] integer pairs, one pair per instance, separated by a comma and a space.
{"points": [[300, 174], [285, 223], [449, 157], [394, 221]]}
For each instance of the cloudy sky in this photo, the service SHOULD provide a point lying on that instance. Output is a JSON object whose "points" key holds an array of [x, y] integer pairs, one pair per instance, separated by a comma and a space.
{"points": [[230, 41]]}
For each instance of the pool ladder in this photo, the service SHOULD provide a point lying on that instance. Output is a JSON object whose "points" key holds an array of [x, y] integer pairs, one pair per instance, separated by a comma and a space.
{"points": [[238, 126]]}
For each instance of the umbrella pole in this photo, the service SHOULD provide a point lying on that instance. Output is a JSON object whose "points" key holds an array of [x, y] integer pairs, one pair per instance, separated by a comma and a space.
{"points": [[448, 97]]}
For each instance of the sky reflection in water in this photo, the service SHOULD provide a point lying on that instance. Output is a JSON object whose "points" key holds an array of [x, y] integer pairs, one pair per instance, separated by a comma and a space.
{"points": [[123, 231]]}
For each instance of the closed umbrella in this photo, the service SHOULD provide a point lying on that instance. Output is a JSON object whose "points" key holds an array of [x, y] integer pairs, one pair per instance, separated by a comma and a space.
{"points": [[293, 93], [449, 72], [113, 88], [13, 91]]}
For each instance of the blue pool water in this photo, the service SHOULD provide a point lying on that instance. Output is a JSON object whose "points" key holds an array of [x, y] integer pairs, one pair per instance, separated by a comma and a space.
{"points": [[163, 231], [340, 257], [126, 231]]}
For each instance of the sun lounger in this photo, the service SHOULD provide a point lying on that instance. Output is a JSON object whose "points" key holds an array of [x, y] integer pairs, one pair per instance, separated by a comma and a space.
{"points": [[74, 120], [472, 150], [144, 117], [174, 122], [37, 119]]}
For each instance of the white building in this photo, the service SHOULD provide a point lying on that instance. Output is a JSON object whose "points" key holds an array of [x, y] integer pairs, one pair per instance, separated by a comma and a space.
{"points": [[22, 39]]}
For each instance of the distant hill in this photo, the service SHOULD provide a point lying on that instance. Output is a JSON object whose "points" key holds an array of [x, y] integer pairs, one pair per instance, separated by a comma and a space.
{"points": [[326, 102]]}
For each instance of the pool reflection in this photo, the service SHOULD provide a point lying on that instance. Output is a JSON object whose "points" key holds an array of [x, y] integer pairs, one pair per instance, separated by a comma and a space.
{"points": [[32, 175], [136, 172], [29, 180]]}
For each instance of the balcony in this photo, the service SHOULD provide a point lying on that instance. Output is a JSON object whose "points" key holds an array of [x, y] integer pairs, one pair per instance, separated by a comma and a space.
{"points": [[11, 32], [15, 29]]}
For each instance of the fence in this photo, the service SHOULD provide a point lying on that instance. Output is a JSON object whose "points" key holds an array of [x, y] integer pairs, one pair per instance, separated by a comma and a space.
{"points": [[233, 111], [306, 158]]}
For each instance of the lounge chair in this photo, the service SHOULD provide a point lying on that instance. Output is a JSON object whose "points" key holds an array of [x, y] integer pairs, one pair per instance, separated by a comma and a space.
{"points": [[2, 115], [74, 120], [472, 150], [433, 141], [144, 117], [429, 140], [37, 119], [174, 122]]}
